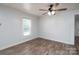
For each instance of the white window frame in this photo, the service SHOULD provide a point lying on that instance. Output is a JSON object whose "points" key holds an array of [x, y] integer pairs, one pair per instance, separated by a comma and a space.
{"points": [[27, 33]]}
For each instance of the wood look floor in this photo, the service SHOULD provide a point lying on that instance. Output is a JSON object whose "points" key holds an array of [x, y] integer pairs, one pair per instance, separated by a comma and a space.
{"points": [[77, 44], [40, 46]]}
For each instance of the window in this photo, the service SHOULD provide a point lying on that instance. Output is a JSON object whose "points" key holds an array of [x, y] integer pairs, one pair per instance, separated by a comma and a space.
{"points": [[27, 26]]}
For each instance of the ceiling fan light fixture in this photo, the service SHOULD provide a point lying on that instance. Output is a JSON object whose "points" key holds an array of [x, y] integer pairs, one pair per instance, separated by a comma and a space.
{"points": [[49, 13], [53, 12]]}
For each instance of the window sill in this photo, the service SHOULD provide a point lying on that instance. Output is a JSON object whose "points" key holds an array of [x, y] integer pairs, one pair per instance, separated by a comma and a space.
{"points": [[26, 34]]}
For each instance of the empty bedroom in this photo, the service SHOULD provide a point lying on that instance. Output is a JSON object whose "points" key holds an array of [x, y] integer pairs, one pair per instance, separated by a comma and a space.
{"points": [[39, 28]]}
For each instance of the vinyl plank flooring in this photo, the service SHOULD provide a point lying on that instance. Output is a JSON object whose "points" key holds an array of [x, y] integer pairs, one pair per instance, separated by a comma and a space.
{"points": [[40, 46]]}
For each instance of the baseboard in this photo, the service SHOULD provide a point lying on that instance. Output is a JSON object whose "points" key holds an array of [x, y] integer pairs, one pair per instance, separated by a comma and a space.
{"points": [[45, 37], [17, 43]]}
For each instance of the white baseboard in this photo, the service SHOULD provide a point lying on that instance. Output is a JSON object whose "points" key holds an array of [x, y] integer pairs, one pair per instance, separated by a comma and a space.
{"points": [[49, 38], [17, 43]]}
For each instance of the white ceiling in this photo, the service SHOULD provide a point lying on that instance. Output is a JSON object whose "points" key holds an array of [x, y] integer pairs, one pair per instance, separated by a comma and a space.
{"points": [[33, 8]]}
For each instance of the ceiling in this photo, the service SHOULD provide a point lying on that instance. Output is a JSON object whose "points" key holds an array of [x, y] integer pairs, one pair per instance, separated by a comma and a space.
{"points": [[33, 8]]}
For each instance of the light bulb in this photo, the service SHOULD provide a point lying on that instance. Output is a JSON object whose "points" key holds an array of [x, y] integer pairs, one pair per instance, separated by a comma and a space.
{"points": [[53, 12], [49, 13]]}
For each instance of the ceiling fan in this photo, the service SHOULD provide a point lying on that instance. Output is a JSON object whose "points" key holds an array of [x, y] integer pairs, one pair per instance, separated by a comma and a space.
{"points": [[52, 9]]}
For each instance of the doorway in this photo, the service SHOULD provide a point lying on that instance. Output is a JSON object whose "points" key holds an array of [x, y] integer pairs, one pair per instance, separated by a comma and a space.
{"points": [[77, 33]]}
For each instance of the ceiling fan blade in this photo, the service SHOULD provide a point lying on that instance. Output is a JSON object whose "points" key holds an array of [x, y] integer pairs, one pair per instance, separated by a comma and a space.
{"points": [[55, 6], [63, 9], [44, 13], [42, 10]]}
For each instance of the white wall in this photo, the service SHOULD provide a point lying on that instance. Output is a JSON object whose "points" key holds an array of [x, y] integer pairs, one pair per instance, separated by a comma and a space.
{"points": [[77, 25], [59, 27], [11, 32]]}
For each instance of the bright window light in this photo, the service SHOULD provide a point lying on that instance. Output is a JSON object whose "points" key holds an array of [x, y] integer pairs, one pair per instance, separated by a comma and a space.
{"points": [[27, 26]]}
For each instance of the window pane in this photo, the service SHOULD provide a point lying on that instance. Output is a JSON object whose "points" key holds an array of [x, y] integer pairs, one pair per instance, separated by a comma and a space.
{"points": [[27, 26]]}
